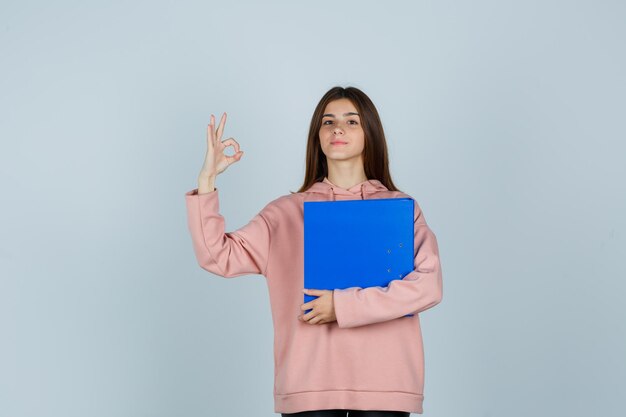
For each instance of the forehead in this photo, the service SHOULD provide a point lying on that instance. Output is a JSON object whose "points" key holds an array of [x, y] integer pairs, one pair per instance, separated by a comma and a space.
{"points": [[339, 107]]}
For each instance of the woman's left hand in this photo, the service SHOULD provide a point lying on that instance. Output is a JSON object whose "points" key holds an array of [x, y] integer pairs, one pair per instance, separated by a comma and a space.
{"points": [[323, 307]]}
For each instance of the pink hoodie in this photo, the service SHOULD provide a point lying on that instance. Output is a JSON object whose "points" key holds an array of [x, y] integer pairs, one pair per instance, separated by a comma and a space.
{"points": [[372, 357]]}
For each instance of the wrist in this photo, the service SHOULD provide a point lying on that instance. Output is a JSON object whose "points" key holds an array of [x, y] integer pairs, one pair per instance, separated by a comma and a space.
{"points": [[206, 185]]}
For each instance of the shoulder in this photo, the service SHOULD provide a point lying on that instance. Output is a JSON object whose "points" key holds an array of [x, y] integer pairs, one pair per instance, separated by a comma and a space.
{"points": [[286, 200], [283, 205]]}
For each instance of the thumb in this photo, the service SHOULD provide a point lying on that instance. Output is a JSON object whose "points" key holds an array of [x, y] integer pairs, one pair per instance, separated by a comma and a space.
{"points": [[235, 158]]}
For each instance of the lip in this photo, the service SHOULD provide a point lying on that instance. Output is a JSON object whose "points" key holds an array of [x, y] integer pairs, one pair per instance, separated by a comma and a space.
{"points": [[338, 142]]}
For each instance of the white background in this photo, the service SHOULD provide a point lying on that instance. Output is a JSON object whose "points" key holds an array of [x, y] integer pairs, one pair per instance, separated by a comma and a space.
{"points": [[504, 120]]}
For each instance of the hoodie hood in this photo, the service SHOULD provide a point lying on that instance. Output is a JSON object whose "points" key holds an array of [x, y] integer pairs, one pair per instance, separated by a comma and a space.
{"points": [[356, 192]]}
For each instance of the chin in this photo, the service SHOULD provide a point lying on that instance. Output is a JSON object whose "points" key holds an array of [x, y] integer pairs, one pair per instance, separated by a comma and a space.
{"points": [[342, 157]]}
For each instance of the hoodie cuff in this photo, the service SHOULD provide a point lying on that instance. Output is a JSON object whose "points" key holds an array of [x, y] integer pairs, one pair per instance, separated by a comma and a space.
{"points": [[344, 313], [195, 192]]}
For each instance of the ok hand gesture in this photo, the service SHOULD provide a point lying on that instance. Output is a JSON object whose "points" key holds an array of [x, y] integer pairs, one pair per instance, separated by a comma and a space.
{"points": [[215, 161]]}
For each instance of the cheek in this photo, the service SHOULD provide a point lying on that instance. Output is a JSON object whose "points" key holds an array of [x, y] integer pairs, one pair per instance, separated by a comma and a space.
{"points": [[362, 140]]}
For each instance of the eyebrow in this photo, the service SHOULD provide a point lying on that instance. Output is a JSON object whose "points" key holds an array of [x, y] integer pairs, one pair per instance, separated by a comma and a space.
{"points": [[350, 113]]}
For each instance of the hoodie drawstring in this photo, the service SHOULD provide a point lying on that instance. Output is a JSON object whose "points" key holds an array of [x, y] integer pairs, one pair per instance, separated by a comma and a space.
{"points": [[332, 197]]}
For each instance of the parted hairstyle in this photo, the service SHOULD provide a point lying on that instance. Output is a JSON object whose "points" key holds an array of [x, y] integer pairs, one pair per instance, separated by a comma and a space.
{"points": [[375, 157]]}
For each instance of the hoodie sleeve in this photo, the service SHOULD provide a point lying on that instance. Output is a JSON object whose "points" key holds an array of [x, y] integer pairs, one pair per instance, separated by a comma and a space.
{"points": [[227, 254], [419, 290]]}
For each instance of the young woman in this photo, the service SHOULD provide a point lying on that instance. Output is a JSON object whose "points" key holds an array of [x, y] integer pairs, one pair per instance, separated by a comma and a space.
{"points": [[356, 352]]}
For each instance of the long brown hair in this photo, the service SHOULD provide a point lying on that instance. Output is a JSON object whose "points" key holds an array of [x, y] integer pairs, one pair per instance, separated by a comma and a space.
{"points": [[375, 158]]}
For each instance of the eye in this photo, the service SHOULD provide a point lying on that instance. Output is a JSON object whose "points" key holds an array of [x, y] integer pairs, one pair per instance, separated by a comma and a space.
{"points": [[349, 121]]}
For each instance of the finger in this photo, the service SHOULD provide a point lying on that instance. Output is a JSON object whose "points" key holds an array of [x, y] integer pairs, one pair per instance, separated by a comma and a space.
{"points": [[213, 133], [232, 159], [314, 292], [309, 316], [308, 305], [233, 142], [220, 127], [209, 136]]}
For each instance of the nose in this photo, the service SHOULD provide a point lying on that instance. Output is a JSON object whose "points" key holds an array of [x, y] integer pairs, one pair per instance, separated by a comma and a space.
{"points": [[337, 130]]}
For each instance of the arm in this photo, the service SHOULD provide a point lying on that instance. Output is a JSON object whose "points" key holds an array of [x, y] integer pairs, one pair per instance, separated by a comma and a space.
{"points": [[227, 254], [419, 290]]}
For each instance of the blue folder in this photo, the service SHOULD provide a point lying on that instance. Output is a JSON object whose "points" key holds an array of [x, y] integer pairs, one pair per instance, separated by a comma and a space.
{"points": [[357, 243]]}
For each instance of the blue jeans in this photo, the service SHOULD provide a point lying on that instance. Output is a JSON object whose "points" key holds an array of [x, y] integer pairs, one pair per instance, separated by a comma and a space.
{"points": [[350, 413]]}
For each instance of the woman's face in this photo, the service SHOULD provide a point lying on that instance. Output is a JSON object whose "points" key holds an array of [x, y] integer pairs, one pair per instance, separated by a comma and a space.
{"points": [[341, 134]]}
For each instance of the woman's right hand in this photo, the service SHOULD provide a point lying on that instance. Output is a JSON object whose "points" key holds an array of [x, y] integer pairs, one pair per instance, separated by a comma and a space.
{"points": [[215, 161]]}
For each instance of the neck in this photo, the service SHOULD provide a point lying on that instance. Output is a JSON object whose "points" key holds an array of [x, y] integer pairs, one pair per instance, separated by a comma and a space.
{"points": [[346, 175]]}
